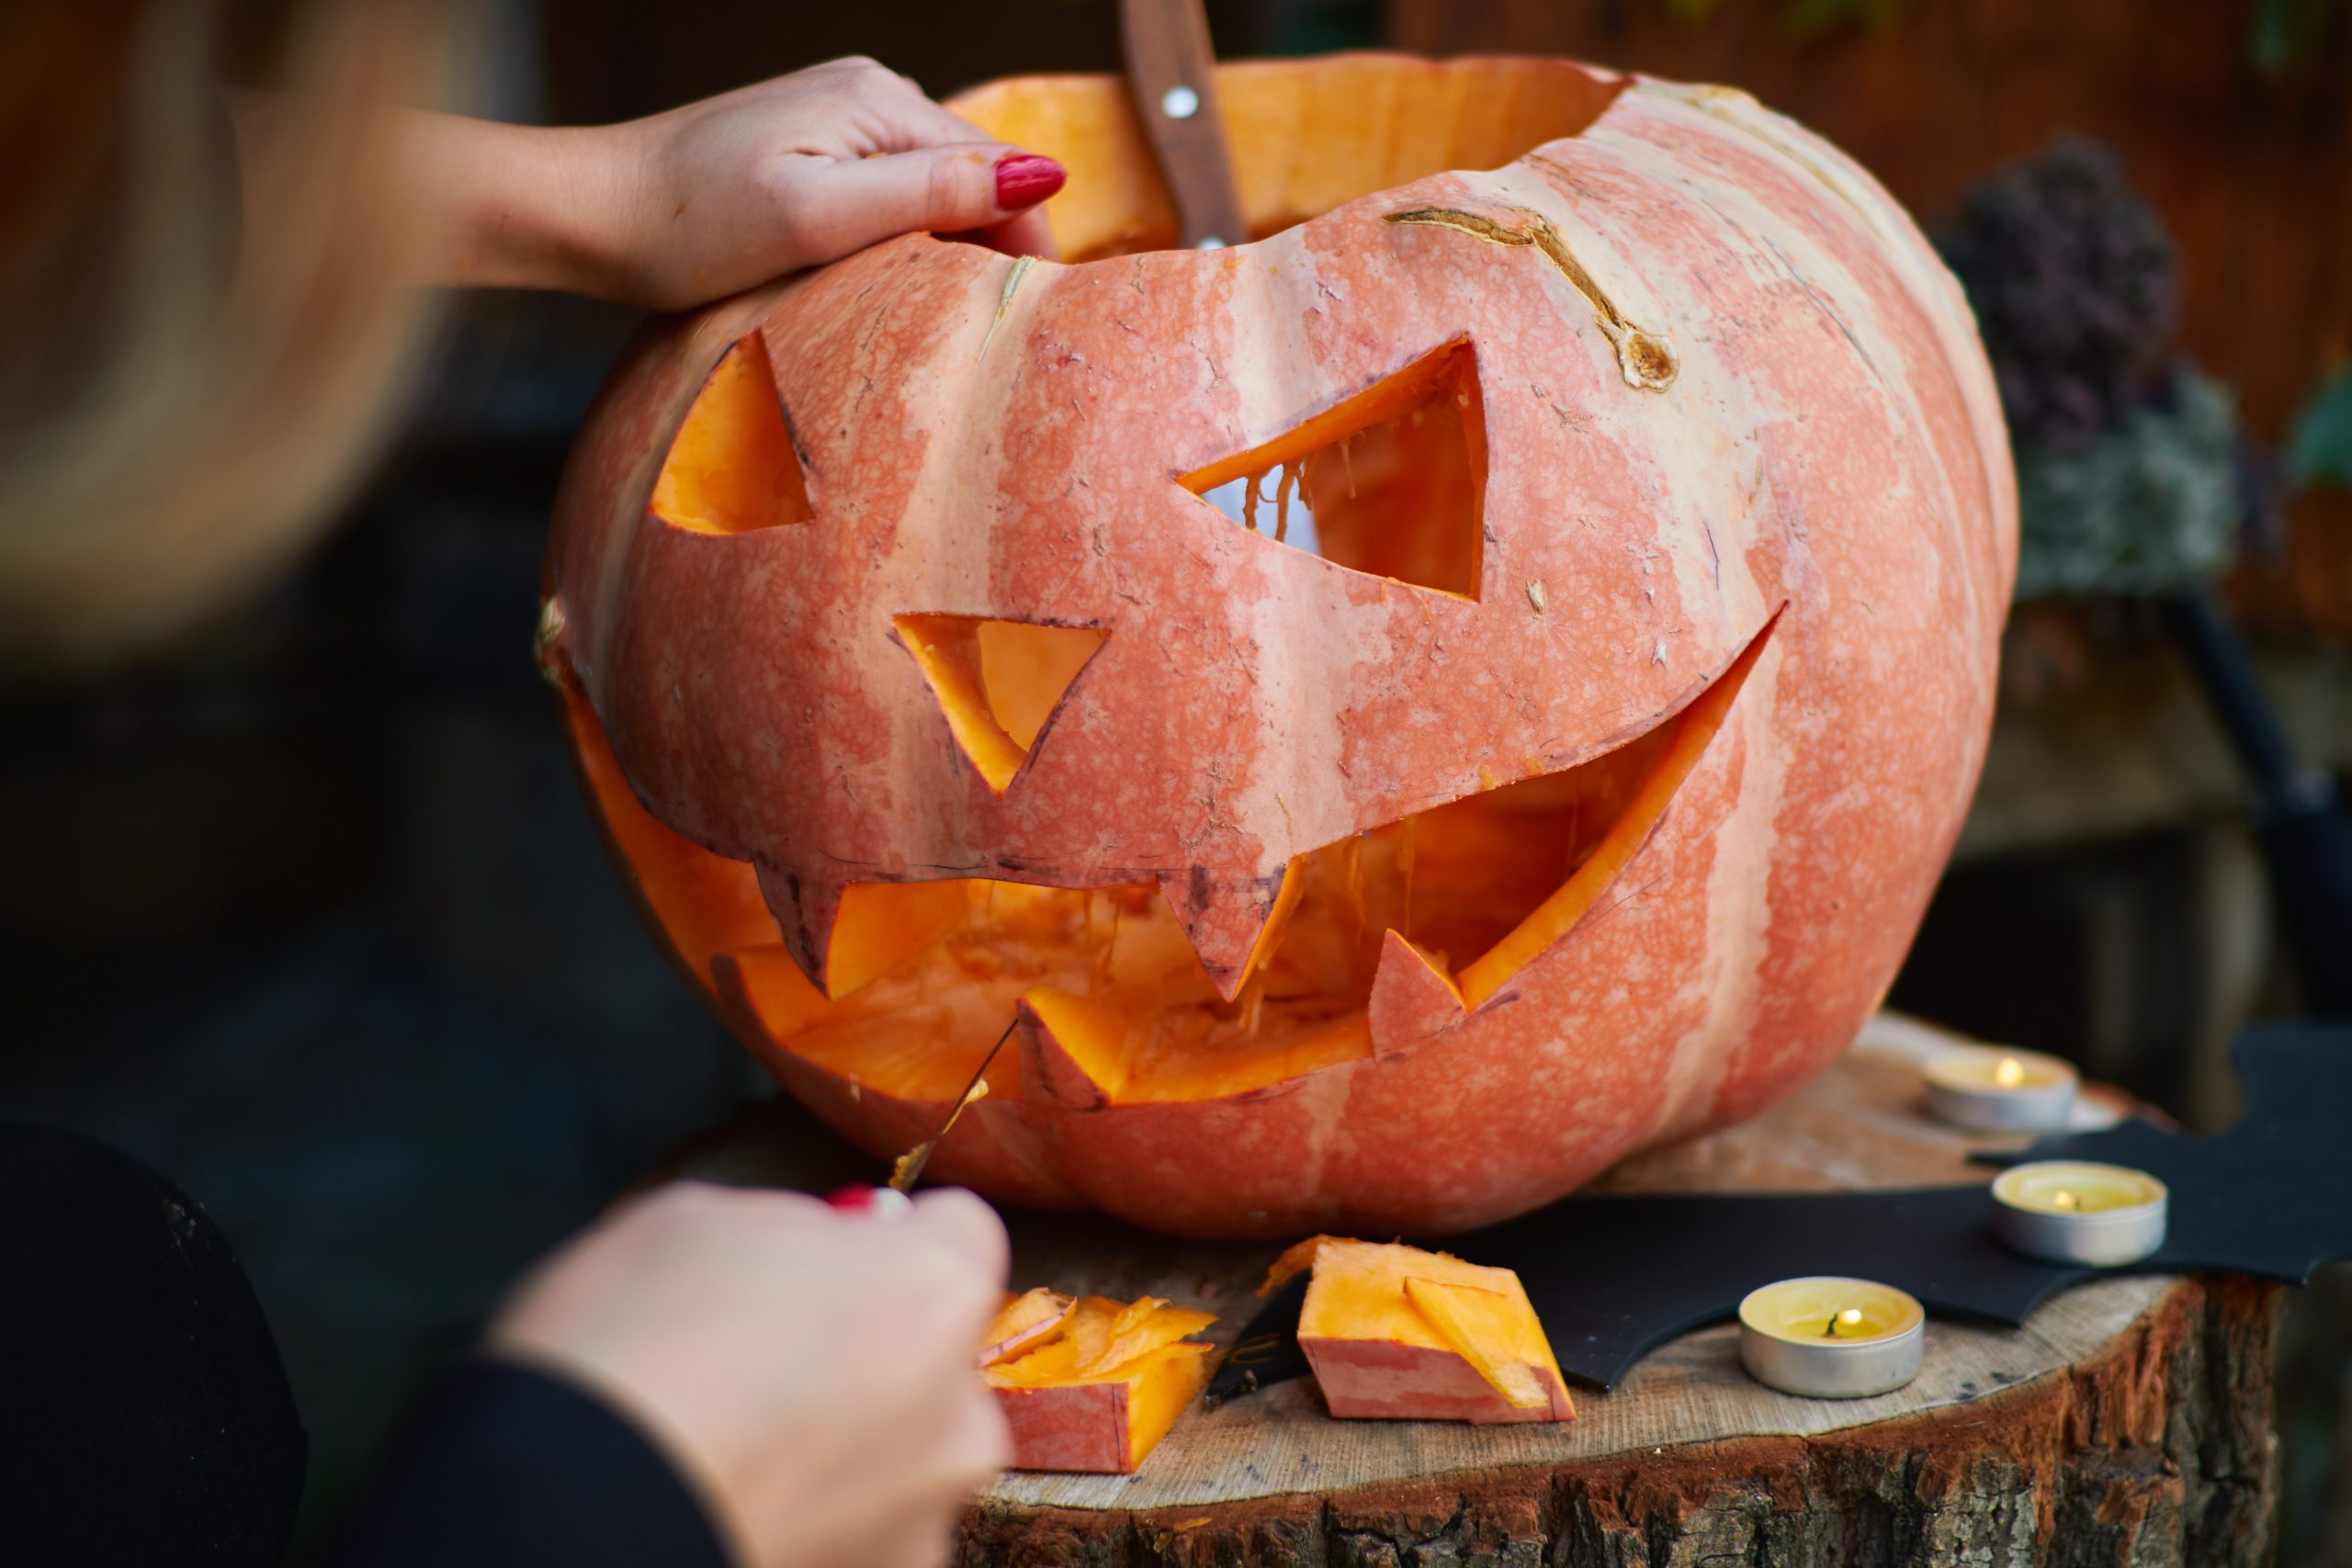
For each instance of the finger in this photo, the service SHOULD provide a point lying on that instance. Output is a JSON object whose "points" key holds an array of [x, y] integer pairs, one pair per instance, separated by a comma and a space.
{"points": [[964, 1223], [1027, 234], [983, 1442], [844, 207], [902, 119]]}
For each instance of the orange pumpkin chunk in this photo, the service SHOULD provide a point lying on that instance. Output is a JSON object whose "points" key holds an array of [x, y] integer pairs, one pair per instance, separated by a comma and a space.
{"points": [[1396, 1332], [1100, 1383]]}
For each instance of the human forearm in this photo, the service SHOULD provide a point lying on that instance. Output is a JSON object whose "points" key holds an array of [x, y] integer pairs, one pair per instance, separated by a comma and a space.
{"points": [[680, 207], [522, 206]]}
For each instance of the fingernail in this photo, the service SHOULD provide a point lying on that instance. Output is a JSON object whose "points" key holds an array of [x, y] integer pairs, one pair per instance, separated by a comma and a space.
{"points": [[1024, 179], [877, 1201]]}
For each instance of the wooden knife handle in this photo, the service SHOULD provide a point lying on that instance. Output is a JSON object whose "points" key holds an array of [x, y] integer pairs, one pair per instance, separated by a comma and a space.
{"points": [[1172, 72]]}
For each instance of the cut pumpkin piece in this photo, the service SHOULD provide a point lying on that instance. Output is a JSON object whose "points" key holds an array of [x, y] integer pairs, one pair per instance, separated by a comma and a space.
{"points": [[1396, 1333], [1102, 1385]]}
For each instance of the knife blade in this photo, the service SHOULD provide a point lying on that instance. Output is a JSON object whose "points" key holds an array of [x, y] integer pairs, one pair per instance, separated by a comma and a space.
{"points": [[909, 1165]]}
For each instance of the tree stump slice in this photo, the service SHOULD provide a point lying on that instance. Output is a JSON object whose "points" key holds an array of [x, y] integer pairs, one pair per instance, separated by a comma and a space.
{"points": [[2128, 1423]]}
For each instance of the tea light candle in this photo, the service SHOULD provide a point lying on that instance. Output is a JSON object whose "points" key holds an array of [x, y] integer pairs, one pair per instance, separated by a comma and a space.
{"points": [[1828, 1338], [2002, 1090], [2068, 1211]]}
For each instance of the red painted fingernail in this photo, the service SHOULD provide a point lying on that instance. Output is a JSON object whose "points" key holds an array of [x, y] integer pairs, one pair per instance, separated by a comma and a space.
{"points": [[868, 1201], [1025, 179]]}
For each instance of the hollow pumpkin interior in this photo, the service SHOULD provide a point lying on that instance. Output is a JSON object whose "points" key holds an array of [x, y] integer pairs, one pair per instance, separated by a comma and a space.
{"points": [[1304, 135], [923, 976]]}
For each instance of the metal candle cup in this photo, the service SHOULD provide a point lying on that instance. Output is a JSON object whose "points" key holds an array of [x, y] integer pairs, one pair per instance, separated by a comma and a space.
{"points": [[2071, 1211], [1829, 1338], [1999, 1090]]}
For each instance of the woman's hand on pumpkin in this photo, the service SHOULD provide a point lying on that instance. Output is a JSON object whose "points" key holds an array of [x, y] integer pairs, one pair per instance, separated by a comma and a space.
{"points": [[700, 202], [811, 1369]]}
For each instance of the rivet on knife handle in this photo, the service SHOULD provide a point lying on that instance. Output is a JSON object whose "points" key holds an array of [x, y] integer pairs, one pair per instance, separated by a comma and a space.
{"points": [[1172, 72]]}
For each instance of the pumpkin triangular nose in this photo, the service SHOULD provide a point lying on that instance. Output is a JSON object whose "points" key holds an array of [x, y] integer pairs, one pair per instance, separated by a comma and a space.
{"points": [[1230, 920]]}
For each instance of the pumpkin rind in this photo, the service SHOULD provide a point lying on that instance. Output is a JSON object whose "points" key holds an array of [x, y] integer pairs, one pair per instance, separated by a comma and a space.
{"points": [[982, 443]]}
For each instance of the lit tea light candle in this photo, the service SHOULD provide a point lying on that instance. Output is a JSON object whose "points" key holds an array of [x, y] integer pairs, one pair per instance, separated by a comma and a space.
{"points": [[1828, 1338], [2002, 1090], [2068, 1211]]}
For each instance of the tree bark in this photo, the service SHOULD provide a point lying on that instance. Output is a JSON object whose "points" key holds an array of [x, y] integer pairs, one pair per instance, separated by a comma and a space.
{"points": [[2161, 1450]]}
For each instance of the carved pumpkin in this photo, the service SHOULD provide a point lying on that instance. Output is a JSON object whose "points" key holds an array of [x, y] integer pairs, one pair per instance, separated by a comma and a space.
{"points": [[1404, 713]]}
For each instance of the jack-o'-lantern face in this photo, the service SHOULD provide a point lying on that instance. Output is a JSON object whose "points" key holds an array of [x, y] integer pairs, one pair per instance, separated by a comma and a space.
{"points": [[1402, 712]]}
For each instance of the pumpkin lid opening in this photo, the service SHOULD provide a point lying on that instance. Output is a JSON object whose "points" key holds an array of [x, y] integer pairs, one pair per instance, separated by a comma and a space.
{"points": [[1303, 136]]}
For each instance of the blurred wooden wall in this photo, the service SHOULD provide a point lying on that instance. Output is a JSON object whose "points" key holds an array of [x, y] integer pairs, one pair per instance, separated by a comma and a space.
{"points": [[2253, 176]]}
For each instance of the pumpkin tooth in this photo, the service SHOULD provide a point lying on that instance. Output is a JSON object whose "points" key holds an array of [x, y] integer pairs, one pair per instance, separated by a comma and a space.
{"points": [[1412, 997], [1072, 1048], [805, 901], [1226, 919]]}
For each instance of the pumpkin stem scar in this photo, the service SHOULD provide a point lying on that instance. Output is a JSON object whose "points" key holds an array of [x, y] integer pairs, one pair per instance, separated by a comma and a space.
{"points": [[1005, 301], [1647, 358]]}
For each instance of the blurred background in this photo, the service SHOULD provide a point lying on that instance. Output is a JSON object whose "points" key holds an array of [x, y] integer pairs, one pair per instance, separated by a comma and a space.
{"points": [[306, 910]]}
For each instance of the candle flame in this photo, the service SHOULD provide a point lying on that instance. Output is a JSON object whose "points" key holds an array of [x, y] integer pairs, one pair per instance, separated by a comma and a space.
{"points": [[1850, 1318], [2064, 1202], [2009, 1073]]}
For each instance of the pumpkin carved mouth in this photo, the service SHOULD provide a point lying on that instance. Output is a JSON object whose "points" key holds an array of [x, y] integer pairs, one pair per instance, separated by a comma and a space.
{"points": [[1377, 941]]}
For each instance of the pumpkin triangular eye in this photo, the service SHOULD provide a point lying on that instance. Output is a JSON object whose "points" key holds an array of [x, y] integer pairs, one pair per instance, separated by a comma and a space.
{"points": [[999, 682], [1389, 482], [732, 468]]}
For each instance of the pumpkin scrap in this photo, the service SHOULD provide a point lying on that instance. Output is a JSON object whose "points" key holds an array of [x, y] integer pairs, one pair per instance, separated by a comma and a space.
{"points": [[1396, 1332], [1093, 1384], [1025, 1322]]}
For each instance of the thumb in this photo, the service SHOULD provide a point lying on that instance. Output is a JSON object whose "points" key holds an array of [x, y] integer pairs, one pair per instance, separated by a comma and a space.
{"points": [[849, 205]]}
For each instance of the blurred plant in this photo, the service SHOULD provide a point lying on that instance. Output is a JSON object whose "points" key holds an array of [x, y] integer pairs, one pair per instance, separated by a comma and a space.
{"points": [[2319, 452], [2284, 34], [2075, 289], [2088, 507], [2128, 461]]}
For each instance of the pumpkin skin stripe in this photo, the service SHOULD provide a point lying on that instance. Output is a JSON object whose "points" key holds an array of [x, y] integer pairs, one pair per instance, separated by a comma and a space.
{"points": [[1325, 901]]}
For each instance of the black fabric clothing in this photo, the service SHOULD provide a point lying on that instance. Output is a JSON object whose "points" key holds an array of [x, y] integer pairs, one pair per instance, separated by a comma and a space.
{"points": [[144, 1414], [501, 1466], [145, 1418]]}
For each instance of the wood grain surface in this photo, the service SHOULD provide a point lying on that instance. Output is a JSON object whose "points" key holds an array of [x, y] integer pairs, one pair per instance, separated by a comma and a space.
{"points": [[2128, 1422]]}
